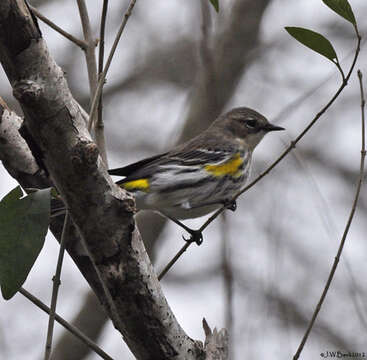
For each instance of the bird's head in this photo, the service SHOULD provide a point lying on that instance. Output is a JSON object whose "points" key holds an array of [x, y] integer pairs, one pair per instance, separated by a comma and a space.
{"points": [[246, 125]]}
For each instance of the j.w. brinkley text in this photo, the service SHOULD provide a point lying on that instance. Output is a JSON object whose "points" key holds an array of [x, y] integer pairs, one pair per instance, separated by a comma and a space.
{"points": [[337, 354]]}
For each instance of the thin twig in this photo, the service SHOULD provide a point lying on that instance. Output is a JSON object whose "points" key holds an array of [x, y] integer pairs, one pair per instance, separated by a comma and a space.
{"points": [[91, 44], [55, 288], [82, 44], [108, 63], [340, 70], [71, 328], [346, 230], [279, 159], [92, 74], [102, 36], [172, 262], [99, 128]]}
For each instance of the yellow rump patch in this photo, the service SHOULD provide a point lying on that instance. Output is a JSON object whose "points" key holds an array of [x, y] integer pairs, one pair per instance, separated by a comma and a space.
{"points": [[230, 167], [140, 184]]}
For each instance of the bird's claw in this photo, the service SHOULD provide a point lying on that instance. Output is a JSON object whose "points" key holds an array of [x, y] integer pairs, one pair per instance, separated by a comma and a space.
{"points": [[230, 205], [196, 236]]}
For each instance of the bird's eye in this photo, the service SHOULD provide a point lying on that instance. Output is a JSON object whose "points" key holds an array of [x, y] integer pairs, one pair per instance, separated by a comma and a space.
{"points": [[251, 124]]}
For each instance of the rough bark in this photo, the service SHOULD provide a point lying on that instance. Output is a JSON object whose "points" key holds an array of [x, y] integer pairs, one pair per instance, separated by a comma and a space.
{"points": [[216, 343], [68, 346], [15, 153], [121, 276]]}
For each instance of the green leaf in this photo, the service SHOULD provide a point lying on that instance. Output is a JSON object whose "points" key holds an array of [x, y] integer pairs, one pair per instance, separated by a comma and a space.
{"points": [[314, 41], [54, 193], [342, 8], [215, 3], [23, 227], [12, 196]]}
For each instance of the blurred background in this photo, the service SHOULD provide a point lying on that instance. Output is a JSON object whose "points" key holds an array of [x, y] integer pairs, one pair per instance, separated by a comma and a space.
{"points": [[260, 270]]}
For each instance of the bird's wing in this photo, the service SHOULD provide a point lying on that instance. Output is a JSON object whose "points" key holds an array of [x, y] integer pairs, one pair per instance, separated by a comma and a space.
{"points": [[199, 156], [183, 159]]}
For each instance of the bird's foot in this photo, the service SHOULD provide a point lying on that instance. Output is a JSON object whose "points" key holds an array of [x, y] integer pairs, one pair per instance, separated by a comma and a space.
{"points": [[196, 236], [230, 205]]}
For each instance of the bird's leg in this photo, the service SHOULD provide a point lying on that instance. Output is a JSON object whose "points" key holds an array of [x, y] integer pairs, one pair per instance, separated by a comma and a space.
{"points": [[195, 235], [230, 204]]}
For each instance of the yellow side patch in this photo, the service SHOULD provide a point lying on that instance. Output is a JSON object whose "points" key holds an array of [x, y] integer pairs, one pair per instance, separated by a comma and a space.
{"points": [[141, 184], [230, 167]]}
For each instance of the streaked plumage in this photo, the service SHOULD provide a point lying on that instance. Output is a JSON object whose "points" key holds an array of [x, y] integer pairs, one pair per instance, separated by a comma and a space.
{"points": [[197, 177]]}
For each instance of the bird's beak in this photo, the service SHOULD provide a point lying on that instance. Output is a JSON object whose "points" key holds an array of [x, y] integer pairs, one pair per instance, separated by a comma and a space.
{"points": [[271, 127]]}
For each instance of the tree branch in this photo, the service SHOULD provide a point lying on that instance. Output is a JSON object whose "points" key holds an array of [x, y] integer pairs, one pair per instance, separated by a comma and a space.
{"points": [[103, 75], [55, 288], [99, 128], [91, 45], [123, 277], [82, 44], [15, 153], [92, 74], [216, 343]]}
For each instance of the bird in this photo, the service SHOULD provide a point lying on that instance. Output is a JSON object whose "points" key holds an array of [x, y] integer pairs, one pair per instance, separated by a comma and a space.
{"points": [[197, 177]]}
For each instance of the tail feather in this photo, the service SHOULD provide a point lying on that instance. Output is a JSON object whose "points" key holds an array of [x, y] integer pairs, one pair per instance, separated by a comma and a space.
{"points": [[130, 169]]}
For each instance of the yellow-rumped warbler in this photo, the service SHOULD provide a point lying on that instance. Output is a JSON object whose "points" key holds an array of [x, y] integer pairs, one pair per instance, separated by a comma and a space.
{"points": [[201, 175]]}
